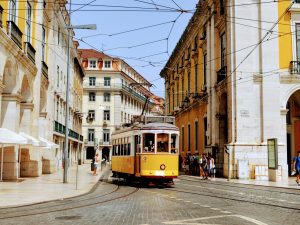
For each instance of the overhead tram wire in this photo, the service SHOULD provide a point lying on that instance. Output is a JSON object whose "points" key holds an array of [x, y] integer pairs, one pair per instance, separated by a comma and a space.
{"points": [[150, 61], [128, 31]]}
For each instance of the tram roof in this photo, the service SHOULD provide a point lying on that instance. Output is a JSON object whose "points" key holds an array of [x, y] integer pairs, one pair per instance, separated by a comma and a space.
{"points": [[149, 126]]}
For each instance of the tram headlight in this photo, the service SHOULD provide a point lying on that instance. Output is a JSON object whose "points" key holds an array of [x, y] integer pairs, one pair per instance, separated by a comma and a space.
{"points": [[162, 166]]}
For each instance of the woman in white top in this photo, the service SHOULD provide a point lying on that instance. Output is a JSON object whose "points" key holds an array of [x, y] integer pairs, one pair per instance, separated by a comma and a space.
{"points": [[96, 164]]}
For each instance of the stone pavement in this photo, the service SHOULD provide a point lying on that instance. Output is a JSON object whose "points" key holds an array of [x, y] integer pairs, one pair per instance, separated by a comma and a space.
{"points": [[48, 187]]}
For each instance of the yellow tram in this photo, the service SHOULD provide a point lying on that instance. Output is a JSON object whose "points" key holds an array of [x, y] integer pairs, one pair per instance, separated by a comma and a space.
{"points": [[147, 150]]}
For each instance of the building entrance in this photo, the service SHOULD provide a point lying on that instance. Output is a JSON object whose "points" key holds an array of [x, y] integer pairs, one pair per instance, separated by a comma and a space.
{"points": [[293, 128], [105, 153], [90, 153]]}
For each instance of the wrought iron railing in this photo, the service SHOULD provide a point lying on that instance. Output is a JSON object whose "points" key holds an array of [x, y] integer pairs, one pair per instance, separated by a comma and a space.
{"points": [[295, 67], [30, 51], [15, 33]]}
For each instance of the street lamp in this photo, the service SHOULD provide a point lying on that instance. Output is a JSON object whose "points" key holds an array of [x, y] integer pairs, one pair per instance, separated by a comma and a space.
{"points": [[69, 27]]}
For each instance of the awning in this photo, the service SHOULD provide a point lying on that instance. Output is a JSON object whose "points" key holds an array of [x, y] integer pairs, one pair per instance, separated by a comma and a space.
{"points": [[47, 144], [31, 140], [10, 137]]}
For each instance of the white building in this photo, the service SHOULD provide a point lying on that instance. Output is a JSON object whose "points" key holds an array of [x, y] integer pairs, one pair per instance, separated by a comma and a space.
{"points": [[113, 93]]}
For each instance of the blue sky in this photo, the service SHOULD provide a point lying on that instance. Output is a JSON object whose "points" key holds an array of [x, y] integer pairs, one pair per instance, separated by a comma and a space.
{"points": [[109, 23]]}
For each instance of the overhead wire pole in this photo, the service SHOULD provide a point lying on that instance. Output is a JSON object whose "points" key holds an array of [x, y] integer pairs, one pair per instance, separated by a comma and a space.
{"points": [[66, 155]]}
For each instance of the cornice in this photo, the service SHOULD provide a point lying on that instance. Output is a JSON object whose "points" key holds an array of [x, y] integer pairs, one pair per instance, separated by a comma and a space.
{"points": [[11, 97], [19, 54], [27, 105]]}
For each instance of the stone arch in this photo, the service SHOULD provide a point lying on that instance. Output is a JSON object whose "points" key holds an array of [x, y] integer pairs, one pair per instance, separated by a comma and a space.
{"points": [[288, 95], [10, 75], [292, 125]]}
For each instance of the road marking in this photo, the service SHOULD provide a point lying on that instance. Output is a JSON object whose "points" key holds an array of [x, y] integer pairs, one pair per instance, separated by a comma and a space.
{"points": [[196, 203], [216, 209], [187, 201], [226, 212], [179, 199], [172, 197], [192, 221], [205, 206]]}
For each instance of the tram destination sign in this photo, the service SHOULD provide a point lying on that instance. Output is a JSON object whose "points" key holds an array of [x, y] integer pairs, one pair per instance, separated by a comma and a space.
{"points": [[272, 154], [160, 119]]}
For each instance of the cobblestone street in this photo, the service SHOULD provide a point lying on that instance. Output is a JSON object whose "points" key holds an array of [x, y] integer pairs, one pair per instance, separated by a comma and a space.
{"points": [[189, 201]]}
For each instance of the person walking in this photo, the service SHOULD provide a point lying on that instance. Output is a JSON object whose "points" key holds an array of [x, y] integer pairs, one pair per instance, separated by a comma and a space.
{"points": [[297, 167], [96, 164], [212, 166]]}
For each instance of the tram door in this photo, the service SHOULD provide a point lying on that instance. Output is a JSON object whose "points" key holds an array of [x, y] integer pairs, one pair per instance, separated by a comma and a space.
{"points": [[136, 155]]}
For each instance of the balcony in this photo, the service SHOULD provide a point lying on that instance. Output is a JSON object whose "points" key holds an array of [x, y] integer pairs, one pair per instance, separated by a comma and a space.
{"points": [[221, 74], [104, 143], [45, 69], [88, 142], [59, 128], [133, 93], [294, 67], [30, 51], [15, 33], [1, 11]]}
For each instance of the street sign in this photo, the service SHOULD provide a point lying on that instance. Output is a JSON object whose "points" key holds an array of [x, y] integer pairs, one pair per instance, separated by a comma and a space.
{"points": [[272, 154]]}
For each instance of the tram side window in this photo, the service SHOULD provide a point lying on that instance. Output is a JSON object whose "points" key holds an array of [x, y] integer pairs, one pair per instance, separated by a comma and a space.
{"points": [[174, 147], [162, 142], [125, 149], [114, 150], [128, 149], [119, 149], [148, 145]]}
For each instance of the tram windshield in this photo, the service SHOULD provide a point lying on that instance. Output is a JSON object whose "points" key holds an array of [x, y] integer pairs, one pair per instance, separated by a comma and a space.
{"points": [[148, 142], [162, 142]]}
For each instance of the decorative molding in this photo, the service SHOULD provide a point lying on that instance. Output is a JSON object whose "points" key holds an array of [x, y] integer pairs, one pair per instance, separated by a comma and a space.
{"points": [[257, 78], [290, 79], [11, 97], [27, 105], [284, 112], [18, 54]]}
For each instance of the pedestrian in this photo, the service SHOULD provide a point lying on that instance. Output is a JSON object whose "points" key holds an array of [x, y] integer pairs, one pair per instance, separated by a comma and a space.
{"points": [[212, 166], [187, 164], [96, 164], [204, 167], [297, 167]]}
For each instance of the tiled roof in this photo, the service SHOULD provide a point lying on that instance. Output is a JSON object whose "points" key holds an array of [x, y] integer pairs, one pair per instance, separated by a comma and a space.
{"points": [[91, 53]]}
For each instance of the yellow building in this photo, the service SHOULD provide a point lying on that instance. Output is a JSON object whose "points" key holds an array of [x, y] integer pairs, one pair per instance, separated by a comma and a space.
{"points": [[236, 71]]}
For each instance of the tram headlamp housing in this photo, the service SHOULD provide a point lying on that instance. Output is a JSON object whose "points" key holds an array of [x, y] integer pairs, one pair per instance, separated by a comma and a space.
{"points": [[162, 166]]}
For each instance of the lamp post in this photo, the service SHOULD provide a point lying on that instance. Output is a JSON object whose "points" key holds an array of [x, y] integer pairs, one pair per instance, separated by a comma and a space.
{"points": [[69, 27]]}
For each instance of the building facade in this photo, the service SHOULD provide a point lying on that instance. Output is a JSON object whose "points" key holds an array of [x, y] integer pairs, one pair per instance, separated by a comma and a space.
{"points": [[233, 81], [113, 92], [28, 68]]}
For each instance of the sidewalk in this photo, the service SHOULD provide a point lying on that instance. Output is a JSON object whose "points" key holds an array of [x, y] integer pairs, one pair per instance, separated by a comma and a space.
{"points": [[48, 187], [290, 183]]}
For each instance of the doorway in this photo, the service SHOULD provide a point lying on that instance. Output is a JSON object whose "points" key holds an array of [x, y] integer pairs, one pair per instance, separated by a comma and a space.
{"points": [[90, 153]]}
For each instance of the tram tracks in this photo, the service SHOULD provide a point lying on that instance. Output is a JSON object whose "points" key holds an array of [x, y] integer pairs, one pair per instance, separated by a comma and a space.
{"points": [[237, 198], [119, 192]]}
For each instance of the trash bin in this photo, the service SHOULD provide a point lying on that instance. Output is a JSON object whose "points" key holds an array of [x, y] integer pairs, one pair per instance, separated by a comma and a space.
{"points": [[92, 166]]}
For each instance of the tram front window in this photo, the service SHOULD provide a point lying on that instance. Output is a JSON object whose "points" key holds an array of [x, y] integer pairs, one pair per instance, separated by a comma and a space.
{"points": [[148, 142], [162, 142]]}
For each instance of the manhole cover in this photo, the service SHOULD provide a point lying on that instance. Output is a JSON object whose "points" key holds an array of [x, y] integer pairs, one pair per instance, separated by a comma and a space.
{"points": [[68, 217]]}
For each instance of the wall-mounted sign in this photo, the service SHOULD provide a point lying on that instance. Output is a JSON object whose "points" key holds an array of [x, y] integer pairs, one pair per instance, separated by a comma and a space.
{"points": [[272, 154]]}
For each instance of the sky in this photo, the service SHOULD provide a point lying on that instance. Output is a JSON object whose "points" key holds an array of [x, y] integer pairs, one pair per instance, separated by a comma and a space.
{"points": [[146, 50]]}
